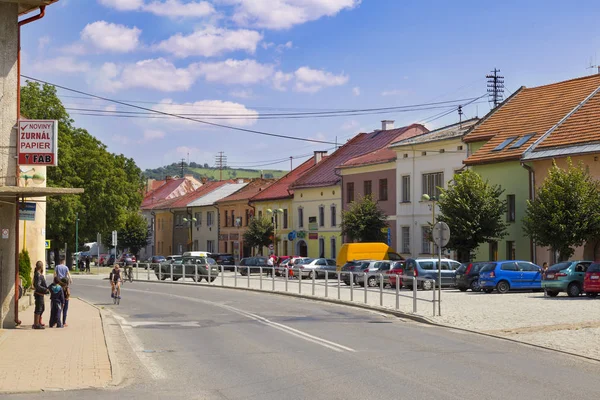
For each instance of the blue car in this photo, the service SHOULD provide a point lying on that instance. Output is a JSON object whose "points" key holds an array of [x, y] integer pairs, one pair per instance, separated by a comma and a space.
{"points": [[510, 275]]}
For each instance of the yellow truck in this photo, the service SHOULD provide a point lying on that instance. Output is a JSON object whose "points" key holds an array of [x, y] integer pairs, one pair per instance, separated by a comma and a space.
{"points": [[366, 251]]}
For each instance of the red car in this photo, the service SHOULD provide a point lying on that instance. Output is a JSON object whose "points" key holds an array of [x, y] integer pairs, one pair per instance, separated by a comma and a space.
{"points": [[591, 282], [397, 269]]}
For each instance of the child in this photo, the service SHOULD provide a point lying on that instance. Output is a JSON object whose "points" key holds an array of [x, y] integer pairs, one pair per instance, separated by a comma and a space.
{"points": [[39, 283], [57, 300], [64, 282]]}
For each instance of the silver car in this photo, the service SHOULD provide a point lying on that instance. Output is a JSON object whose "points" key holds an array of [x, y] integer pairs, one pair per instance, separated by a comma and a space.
{"points": [[372, 272], [316, 267]]}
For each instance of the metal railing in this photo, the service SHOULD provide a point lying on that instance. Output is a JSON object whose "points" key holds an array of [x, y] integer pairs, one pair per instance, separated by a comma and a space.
{"points": [[343, 285]]}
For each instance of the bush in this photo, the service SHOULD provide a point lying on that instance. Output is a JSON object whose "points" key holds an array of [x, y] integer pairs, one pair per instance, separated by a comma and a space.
{"points": [[25, 268]]}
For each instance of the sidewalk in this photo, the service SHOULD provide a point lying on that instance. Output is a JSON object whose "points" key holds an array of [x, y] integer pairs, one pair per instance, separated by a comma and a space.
{"points": [[69, 358]]}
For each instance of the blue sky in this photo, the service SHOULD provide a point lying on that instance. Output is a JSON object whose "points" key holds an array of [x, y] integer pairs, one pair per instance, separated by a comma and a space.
{"points": [[256, 57]]}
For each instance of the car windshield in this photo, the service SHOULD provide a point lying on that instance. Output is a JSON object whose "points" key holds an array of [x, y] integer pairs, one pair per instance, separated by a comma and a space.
{"points": [[365, 265], [461, 269], [559, 267], [180, 261], [190, 260], [211, 261], [594, 268], [488, 267]]}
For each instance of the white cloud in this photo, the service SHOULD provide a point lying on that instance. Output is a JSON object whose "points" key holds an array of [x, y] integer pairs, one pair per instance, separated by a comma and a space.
{"points": [[210, 42], [175, 8], [61, 64], [350, 125], [356, 91], [111, 108], [123, 5], [283, 14], [281, 79], [111, 37], [157, 74], [233, 71], [312, 80], [153, 135], [200, 109], [242, 93], [43, 42], [394, 92]]}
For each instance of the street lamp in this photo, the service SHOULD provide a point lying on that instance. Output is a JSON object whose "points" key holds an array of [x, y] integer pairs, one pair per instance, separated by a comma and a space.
{"points": [[275, 212], [189, 221]]}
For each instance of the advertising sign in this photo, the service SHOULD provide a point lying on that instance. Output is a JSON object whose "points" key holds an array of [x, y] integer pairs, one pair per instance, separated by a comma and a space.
{"points": [[27, 212], [38, 142]]}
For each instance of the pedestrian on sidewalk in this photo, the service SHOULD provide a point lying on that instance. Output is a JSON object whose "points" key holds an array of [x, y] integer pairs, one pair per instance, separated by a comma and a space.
{"points": [[57, 300], [87, 264], [62, 271], [270, 265], [41, 289], [64, 282]]}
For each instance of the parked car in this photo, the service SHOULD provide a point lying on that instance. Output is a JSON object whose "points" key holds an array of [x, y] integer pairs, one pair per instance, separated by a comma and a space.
{"points": [[428, 268], [189, 265], [127, 259], [152, 260], [226, 260], [252, 264], [103, 259], [366, 251], [396, 269], [591, 282], [110, 260], [510, 275], [356, 267], [316, 267], [287, 264], [467, 276], [566, 277], [173, 258]]}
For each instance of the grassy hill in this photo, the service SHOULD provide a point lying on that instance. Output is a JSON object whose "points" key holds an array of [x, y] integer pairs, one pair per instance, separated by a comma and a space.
{"points": [[200, 171]]}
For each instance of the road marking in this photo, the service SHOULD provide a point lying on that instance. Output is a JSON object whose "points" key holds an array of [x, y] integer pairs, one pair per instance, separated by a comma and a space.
{"points": [[146, 359]]}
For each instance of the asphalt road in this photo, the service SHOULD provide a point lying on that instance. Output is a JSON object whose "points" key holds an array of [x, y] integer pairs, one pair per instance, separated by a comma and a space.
{"points": [[178, 341]]}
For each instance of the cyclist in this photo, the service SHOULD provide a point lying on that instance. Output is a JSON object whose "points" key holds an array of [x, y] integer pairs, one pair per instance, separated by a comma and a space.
{"points": [[115, 282]]}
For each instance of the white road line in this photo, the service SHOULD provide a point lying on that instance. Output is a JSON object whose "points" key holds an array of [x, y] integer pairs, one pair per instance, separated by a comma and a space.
{"points": [[146, 359]]}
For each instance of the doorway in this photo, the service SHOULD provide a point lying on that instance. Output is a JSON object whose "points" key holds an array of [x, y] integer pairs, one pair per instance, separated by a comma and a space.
{"points": [[302, 248]]}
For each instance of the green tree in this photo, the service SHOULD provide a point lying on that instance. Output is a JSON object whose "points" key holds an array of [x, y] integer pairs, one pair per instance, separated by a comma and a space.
{"points": [[259, 233], [364, 221], [135, 234], [113, 184], [473, 210], [25, 268], [566, 210]]}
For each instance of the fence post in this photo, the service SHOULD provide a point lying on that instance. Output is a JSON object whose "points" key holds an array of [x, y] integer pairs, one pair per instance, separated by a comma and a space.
{"points": [[326, 283], [273, 279], [248, 269], [381, 290], [137, 271], [313, 282], [339, 295], [235, 272], [414, 278], [159, 272], [196, 280], [365, 277], [182, 272], [397, 292], [287, 272], [171, 272], [260, 277], [209, 271], [222, 276], [299, 280], [433, 297], [351, 286], [148, 271]]}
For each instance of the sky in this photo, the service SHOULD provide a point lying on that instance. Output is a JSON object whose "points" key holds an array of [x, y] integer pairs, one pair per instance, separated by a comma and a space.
{"points": [[243, 63]]}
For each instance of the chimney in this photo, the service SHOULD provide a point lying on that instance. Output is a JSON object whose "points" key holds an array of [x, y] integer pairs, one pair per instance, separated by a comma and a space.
{"points": [[387, 124], [168, 178], [203, 179], [319, 156]]}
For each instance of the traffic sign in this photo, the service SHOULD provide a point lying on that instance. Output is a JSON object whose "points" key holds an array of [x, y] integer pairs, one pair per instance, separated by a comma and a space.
{"points": [[48, 243], [292, 235], [441, 234], [114, 238], [37, 142]]}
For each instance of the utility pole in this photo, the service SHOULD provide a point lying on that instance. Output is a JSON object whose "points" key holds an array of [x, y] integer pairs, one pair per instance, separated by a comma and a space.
{"points": [[460, 114], [182, 167], [291, 167], [495, 86], [221, 161]]}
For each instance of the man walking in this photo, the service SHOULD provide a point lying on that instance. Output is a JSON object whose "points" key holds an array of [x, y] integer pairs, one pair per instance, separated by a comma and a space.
{"points": [[62, 271]]}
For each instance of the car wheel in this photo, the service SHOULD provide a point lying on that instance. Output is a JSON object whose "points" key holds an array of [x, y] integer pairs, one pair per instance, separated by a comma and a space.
{"points": [[312, 275], [426, 285], [176, 278], [502, 287], [372, 281], [573, 290], [162, 278], [488, 290], [592, 295], [552, 293], [211, 280], [462, 289], [475, 286]]}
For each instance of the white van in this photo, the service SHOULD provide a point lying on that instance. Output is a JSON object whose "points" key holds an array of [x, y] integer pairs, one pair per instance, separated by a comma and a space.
{"points": [[204, 254]]}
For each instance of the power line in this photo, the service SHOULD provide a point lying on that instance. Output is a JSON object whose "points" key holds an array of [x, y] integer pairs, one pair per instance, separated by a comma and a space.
{"points": [[221, 161]]}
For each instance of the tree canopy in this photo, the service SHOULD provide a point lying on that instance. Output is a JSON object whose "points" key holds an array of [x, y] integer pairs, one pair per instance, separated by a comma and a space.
{"points": [[364, 221], [259, 233], [113, 184], [566, 210], [473, 210]]}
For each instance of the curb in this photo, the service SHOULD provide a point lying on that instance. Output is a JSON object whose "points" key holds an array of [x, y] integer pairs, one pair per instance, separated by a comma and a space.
{"points": [[115, 369], [383, 310]]}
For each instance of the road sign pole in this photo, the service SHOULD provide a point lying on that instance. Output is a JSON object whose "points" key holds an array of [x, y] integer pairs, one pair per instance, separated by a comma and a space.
{"points": [[98, 241], [441, 237]]}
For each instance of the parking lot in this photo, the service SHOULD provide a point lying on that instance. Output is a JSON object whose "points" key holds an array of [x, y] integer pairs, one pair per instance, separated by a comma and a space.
{"points": [[564, 323]]}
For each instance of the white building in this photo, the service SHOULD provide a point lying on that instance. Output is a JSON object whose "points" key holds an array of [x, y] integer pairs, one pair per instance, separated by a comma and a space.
{"points": [[423, 164]]}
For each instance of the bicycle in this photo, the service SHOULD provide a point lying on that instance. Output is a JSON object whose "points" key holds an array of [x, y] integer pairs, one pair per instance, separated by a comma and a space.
{"points": [[128, 270], [116, 292]]}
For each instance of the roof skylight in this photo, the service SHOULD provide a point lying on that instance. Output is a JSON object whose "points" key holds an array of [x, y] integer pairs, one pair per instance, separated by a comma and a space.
{"points": [[522, 141], [503, 145]]}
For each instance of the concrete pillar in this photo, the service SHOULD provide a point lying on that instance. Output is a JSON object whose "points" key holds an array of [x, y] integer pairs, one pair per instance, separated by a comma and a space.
{"points": [[8, 140]]}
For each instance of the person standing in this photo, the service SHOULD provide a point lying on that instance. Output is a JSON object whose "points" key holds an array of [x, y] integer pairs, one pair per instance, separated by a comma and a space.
{"points": [[87, 264], [64, 282], [39, 284], [270, 266], [62, 271], [57, 301]]}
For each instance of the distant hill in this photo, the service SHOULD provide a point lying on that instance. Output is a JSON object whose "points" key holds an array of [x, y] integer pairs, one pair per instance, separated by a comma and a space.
{"points": [[204, 171]]}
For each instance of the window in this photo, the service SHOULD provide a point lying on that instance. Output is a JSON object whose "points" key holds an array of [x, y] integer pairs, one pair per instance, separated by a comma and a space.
{"points": [[505, 143], [260, 214], [432, 183], [510, 208], [333, 216], [349, 192], [210, 215], [300, 217], [226, 219], [406, 189], [521, 141], [198, 217], [285, 247], [333, 250], [196, 248], [406, 239], [509, 266], [493, 251], [321, 248], [247, 216], [285, 219], [511, 250], [225, 247], [425, 239], [428, 265], [321, 216], [367, 188], [232, 218], [383, 190], [525, 266]]}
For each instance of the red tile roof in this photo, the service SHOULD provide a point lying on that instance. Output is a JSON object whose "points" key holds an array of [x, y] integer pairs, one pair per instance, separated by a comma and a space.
{"points": [[380, 156], [324, 173], [250, 190], [529, 111], [183, 201], [171, 189], [281, 189]]}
